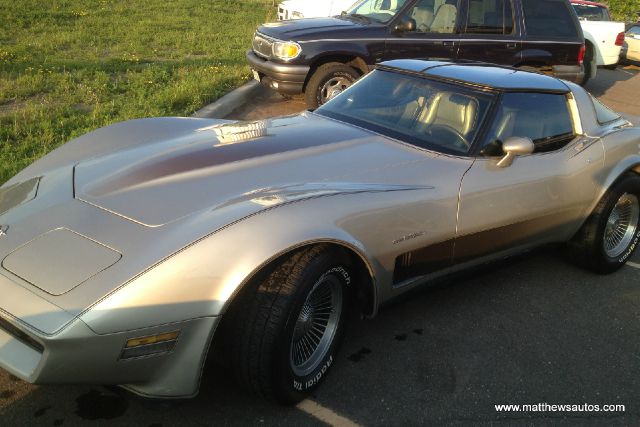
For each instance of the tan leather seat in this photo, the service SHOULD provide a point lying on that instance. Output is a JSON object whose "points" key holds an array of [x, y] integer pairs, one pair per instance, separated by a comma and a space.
{"points": [[453, 110], [423, 18], [445, 19]]}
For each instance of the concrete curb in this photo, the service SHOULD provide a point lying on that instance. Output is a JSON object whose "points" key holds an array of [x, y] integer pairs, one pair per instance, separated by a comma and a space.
{"points": [[231, 101]]}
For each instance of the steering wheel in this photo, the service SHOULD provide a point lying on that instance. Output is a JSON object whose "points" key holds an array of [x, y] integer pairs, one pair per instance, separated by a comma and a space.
{"points": [[449, 135]]}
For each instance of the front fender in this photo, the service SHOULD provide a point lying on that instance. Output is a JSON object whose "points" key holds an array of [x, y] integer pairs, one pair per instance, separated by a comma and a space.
{"points": [[316, 51], [200, 280]]}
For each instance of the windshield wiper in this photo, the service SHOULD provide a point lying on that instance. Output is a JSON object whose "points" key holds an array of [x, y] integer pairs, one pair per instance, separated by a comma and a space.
{"points": [[361, 17]]}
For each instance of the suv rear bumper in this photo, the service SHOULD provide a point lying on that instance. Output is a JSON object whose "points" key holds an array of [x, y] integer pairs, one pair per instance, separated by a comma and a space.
{"points": [[284, 78], [573, 73]]}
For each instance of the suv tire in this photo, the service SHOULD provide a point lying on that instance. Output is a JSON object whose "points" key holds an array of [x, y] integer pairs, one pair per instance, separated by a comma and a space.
{"points": [[328, 81]]}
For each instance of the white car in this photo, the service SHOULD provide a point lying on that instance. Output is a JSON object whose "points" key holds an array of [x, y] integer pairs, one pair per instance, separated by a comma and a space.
{"points": [[603, 37], [631, 50], [297, 9]]}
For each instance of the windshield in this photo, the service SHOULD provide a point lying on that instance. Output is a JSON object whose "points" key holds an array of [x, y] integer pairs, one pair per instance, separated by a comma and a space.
{"points": [[376, 10], [591, 12], [428, 114]]}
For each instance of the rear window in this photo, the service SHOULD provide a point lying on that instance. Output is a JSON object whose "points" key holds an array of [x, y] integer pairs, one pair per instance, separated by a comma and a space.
{"points": [[591, 12], [549, 19]]}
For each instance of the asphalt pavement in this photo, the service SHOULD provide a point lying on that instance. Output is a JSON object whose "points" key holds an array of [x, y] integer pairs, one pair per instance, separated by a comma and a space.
{"points": [[532, 330]]}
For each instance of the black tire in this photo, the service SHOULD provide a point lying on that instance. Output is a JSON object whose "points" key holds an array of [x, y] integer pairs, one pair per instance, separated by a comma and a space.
{"points": [[588, 62], [588, 246], [315, 93], [262, 341]]}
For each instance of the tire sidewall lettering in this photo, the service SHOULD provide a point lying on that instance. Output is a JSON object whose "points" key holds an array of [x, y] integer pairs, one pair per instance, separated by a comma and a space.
{"points": [[309, 382], [630, 250], [303, 384]]}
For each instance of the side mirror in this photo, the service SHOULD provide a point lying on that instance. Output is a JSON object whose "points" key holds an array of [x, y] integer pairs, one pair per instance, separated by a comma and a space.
{"points": [[515, 146], [406, 24]]}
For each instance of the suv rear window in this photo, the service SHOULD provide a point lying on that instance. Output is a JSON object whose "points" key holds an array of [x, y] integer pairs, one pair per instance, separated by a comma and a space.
{"points": [[548, 18], [591, 12]]}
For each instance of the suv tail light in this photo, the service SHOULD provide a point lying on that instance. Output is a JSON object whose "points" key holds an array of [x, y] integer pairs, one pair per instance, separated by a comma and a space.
{"points": [[581, 54], [620, 39]]}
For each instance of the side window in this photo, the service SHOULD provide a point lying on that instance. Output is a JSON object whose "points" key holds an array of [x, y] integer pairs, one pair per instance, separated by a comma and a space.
{"points": [[434, 16], [543, 117], [591, 12], [603, 113], [489, 17], [548, 18]]}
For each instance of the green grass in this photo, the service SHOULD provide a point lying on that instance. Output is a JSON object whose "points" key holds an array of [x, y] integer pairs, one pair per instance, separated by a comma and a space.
{"points": [[70, 66]]}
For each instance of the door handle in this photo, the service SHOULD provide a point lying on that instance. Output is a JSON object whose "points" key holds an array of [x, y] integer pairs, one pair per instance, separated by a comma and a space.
{"points": [[511, 45], [448, 43]]}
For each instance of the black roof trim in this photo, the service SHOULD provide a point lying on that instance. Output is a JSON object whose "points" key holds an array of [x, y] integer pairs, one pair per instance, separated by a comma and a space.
{"points": [[478, 74]]}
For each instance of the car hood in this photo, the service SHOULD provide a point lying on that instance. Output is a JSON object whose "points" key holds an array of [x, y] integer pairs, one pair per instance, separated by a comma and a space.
{"points": [[314, 28], [215, 166], [128, 196]]}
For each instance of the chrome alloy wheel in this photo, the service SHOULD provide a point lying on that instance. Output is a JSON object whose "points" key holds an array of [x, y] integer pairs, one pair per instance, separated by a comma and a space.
{"points": [[334, 87], [622, 225], [316, 326]]}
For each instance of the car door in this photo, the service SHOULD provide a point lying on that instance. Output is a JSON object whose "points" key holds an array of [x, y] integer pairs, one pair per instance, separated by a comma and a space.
{"points": [[488, 32], [541, 197], [434, 35]]}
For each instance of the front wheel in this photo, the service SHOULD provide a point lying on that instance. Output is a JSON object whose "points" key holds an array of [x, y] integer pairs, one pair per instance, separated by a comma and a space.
{"points": [[290, 325], [612, 232], [328, 81]]}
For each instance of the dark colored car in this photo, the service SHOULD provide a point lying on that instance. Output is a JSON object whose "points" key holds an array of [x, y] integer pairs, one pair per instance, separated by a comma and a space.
{"points": [[320, 57]]}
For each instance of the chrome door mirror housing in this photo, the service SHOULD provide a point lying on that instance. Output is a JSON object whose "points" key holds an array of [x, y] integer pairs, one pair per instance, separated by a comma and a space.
{"points": [[515, 146]]}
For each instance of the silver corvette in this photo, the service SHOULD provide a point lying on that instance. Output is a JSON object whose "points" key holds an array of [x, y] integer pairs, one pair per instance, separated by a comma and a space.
{"points": [[131, 252]]}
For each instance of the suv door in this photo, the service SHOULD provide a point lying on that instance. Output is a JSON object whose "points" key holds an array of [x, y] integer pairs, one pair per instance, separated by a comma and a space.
{"points": [[434, 35], [488, 32]]}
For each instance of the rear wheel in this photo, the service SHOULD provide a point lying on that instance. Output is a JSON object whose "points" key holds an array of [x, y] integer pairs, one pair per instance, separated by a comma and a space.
{"points": [[287, 328], [589, 64], [328, 81], [612, 232]]}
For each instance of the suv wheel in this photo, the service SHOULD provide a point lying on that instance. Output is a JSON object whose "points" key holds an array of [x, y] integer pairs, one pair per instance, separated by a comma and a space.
{"points": [[328, 81], [612, 232]]}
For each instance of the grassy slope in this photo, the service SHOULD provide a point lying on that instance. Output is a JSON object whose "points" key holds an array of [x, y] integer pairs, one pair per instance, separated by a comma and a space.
{"points": [[70, 66]]}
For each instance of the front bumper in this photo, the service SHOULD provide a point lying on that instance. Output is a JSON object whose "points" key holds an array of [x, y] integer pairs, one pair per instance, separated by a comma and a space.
{"points": [[573, 73], [77, 355], [284, 78]]}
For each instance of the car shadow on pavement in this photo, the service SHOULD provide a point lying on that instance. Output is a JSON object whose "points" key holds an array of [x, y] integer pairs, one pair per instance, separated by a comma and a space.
{"points": [[606, 79]]}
